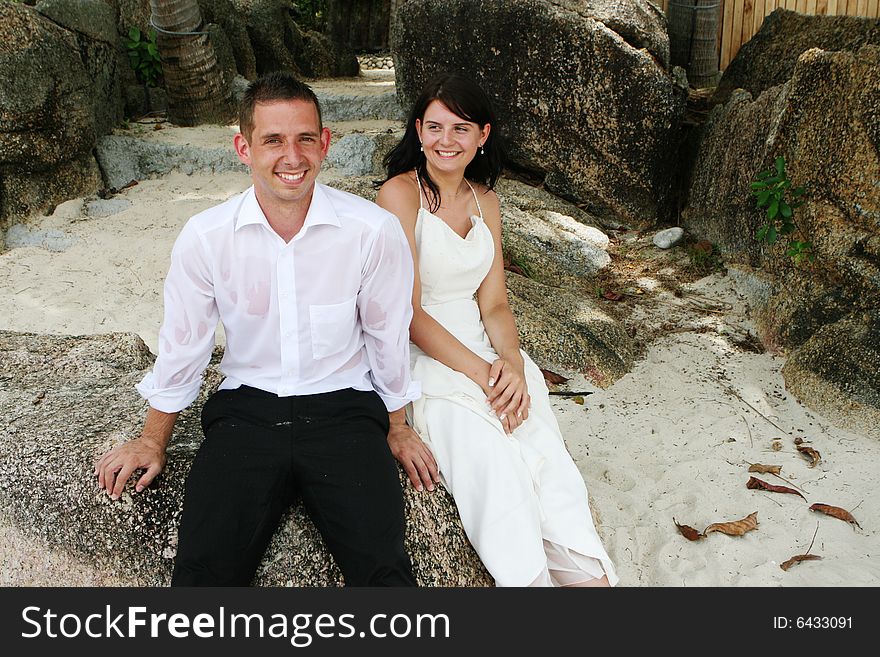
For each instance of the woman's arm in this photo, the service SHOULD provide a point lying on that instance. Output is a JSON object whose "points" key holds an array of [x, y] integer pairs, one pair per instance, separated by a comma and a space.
{"points": [[509, 397], [400, 196]]}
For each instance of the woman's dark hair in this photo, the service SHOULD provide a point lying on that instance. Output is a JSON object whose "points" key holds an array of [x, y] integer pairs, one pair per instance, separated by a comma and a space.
{"points": [[466, 99]]}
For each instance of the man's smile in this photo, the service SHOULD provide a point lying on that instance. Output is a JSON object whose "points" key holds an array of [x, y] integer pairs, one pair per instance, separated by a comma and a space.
{"points": [[290, 177]]}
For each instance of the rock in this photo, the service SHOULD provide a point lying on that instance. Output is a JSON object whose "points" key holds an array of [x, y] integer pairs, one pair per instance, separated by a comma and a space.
{"points": [[354, 107], [353, 154], [561, 328], [837, 372], [584, 90], [668, 238], [279, 44], [91, 18], [60, 92], [123, 159], [107, 207], [553, 240], [769, 57], [755, 285], [239, 88], [226, 16], [825, 123], [20, 235], [141, 99], [131, 13], [24, 194], [65, 400], [323, 57]]}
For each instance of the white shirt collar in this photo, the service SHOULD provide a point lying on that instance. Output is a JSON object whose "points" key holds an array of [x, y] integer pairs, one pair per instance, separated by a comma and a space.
{"points": [[321, 211]]}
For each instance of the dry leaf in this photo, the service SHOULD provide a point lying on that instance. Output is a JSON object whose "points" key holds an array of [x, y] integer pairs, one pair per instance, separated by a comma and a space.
{"points": [[757, 484], [798, 440], [552, 378], [797, 559], [578, 400], [765, 469], [835, 512], [688, 532], [735, 527], [776, 445], [612, 296], [811, 453]]}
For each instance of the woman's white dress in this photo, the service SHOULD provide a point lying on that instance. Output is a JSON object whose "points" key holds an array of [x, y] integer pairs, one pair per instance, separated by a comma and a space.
{"points": [[522, 500]]}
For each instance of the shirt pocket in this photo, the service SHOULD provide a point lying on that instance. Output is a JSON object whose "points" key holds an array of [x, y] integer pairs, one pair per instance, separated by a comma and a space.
{"points": [[332, 326]]}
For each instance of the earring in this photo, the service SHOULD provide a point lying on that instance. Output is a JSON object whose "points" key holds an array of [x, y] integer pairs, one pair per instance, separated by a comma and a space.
{"points": [[421, 148], [482, 152]]}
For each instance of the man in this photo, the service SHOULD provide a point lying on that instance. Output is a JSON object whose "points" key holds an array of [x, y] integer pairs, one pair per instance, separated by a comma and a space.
{"points": [[313, 287]]}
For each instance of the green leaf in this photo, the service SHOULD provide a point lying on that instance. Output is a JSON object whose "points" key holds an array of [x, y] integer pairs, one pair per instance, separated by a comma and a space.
{"points": [[764, 174], [153, 50], [761, 235], [797, 191], [773, 210], [780, 166], [758, 185], [763, 198], [784, 209], [134, 33], [771, 235]]}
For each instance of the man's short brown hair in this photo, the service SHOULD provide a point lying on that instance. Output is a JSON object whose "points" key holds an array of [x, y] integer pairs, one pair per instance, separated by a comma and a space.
{"points": [[270, 88]]}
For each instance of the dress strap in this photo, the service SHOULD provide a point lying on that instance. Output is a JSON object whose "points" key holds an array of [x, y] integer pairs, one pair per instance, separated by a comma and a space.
{"points": [[421, 197], [474, 192]]}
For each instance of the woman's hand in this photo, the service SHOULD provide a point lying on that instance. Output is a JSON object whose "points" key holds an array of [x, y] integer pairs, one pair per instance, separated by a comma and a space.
{"points": [[508, 393]]}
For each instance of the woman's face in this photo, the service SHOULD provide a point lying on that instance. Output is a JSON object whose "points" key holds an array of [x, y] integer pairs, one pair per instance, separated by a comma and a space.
{"points": [[449, 142]]}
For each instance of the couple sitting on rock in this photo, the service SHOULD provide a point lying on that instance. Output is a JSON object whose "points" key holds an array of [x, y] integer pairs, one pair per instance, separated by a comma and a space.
{"points": [[319, 297]]}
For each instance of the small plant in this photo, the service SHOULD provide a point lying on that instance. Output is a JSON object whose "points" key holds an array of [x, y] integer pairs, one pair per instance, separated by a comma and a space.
{"points": [[771, 189], [517, 265], [705, 257], [143, 53]]}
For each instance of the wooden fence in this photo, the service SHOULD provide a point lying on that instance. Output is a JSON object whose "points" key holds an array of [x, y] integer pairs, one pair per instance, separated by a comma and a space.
{"points": [[741, 19]]}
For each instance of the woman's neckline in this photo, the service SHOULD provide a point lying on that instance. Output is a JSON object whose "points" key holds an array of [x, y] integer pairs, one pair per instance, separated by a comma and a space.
{"points": [[475, 219]]}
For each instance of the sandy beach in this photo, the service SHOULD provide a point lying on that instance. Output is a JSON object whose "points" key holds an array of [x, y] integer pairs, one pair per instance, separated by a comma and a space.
{"points": [[672, 439]]}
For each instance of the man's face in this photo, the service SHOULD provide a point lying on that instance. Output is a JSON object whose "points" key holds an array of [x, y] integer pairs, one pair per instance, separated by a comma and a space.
{"points": [[284, 153]]}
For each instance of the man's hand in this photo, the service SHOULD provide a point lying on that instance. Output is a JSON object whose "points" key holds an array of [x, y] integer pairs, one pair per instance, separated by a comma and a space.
{"points": [[147, 452], [117, 465], [412, 453]]}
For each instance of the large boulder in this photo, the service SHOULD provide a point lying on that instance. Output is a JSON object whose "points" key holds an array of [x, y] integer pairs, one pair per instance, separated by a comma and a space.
{"points": [[583, 90], [65, 400], [838, 370], [768, 58], [224, 14], [824, 121], [280, 44], [59, 93]]}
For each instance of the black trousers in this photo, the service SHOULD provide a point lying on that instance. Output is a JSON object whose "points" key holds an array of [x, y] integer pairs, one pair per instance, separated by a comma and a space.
{"points": [[260, 453]]}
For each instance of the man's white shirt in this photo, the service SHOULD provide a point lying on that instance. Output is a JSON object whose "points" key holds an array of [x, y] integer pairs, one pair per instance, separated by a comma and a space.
{"points": [[326, 311]]}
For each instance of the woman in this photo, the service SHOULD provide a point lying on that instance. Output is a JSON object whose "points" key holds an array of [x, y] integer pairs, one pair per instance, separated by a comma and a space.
{"points": [[485, 412]]}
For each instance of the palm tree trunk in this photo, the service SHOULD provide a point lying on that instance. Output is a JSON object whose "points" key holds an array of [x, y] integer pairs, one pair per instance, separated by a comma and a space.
{"points": [[197, 89]]}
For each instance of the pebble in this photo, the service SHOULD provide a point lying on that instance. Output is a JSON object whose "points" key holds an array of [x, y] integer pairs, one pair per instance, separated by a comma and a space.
{"points": [[668, 238]]}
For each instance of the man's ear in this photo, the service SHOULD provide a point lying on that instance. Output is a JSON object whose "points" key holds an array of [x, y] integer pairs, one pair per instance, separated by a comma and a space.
{"points": [[325, 141], [242, 149]]}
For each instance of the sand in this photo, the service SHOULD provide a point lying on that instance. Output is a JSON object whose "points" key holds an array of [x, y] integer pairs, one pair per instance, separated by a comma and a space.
{"points": [[671, 439]]}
